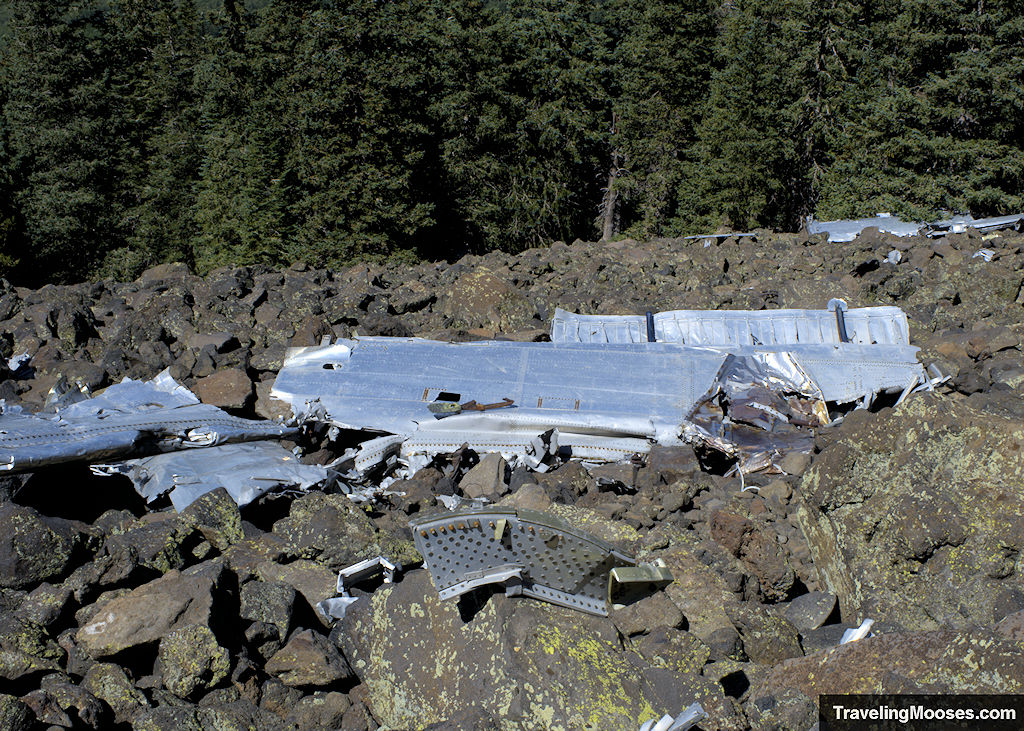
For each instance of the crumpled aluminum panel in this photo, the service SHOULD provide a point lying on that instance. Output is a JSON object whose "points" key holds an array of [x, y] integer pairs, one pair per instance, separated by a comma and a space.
{"points": [[554, 561], [843, 231], [386, 384], [160, 414], [246, 471], [847, 230], [724, 328]]}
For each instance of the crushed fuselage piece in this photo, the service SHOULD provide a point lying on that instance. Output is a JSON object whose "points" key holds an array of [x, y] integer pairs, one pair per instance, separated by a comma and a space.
{"points": [[246, 471], [536, 554], [155, 416]]}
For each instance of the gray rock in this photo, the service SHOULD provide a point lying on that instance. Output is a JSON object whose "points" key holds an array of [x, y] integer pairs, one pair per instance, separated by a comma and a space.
{"points": [[110, 684], [513, 660], [192, 660], [674, 649], [946, 515], [486, 479], [46, 603], [331, 530], [14, 714], [25, 648], [35, 548], [767, 638], [272, 603], [169, 718], [809, 611], [308, 660], [146, 614], [322, 710], [905, 662], [822, 638], [215, 515], [638, 617]]}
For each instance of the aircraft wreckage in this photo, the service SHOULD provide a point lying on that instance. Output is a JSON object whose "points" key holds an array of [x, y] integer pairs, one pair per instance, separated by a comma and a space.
{"points": [[747, 384]]}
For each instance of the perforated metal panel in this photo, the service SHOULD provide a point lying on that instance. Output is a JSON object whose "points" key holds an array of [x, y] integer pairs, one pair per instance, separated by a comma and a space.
{"points": [[554, 561]]}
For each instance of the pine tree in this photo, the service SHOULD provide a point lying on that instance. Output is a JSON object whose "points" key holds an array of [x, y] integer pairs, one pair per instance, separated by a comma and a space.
{"points": [[64, 128], [662, 69], [526, 136]]}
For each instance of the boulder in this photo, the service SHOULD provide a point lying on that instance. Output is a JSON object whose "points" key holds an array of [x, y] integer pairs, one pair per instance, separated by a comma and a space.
{"points": [[810, 611], [35, 548], [486, 479], [192, 661], [110, 684], [308, 660], [767, 638], [331, 530], [916, 515], [758, 549], [481, 298], [521, 662], [15, 715], [146, 614], [215, 515], [943, 661], [26, 649], [228, 389]]}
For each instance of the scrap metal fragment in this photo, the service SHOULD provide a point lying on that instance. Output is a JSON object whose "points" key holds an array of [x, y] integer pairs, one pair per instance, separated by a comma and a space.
{"points": [[336, 607], [535, 554], [691, 715], [158, 415], [246, 471], [857, 633]]}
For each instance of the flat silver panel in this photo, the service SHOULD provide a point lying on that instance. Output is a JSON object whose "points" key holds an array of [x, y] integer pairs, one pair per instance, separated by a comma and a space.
{"points": [[724, 328]]}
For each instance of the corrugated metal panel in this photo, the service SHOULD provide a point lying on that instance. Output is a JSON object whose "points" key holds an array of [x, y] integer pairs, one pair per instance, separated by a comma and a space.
{"points": [[724, 328]]}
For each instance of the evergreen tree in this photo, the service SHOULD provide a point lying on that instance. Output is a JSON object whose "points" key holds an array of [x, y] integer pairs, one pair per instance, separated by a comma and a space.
{"points": [[662, 68], [525, 137], [242, 191], [746, 169], [158, 178], [64, 130]]}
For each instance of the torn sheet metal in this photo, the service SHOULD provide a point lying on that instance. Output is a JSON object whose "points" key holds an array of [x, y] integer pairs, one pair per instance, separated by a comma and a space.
{"points": [[387, 384], [599, 402], [535, 554], [843, 231], [847, 230], [246, 471], [726, 328], [690, 717], [158, 415], [335, 608], [761, 408]]}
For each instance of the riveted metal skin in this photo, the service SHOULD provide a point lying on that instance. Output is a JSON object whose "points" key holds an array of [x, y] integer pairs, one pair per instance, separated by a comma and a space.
{"points": [[552, 560]]}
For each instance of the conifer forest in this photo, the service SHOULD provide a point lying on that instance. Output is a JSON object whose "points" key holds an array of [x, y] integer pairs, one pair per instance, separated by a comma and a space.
{"points": [[134, 132]]}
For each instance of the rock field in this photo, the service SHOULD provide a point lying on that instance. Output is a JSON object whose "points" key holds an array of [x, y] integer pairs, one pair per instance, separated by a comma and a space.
{"points": [[113, 615]]}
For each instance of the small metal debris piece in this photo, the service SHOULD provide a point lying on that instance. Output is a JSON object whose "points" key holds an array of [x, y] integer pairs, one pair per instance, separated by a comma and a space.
{"points": [[857, 633], [336, 607], [153, 416], [691, 715], [535, 554], [985, 254], [246, 471], [894, 257]]}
